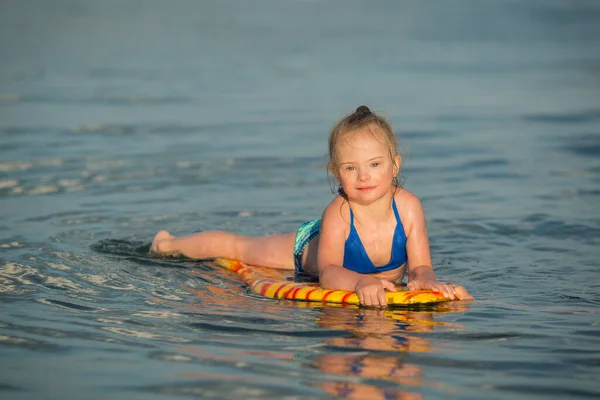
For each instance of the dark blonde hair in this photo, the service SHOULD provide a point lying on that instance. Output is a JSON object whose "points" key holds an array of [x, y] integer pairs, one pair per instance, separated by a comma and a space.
{"points": [[359, 119]]}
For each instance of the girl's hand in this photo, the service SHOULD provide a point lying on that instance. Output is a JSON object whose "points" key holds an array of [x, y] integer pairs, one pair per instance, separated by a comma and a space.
{"points": [[161, 244], [371, 291], [449, 291]]}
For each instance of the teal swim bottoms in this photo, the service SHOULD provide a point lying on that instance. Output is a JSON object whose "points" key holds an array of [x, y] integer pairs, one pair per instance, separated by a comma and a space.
{"points": [[305, 234]]}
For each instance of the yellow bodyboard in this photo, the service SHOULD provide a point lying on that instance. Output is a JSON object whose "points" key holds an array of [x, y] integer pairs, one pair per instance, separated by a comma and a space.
{"points": [[266, 282]]}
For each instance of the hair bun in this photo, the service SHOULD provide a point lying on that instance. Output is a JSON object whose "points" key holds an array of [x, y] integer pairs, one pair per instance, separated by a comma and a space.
{"points": [[363, 110]]}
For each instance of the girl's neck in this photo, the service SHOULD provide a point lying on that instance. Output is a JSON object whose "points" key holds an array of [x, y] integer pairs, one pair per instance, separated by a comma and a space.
{"points": [[379, 210]]}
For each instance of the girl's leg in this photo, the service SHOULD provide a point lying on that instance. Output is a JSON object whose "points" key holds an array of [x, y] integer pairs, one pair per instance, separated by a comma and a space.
{"points": [[275, 251], [309, 258]]}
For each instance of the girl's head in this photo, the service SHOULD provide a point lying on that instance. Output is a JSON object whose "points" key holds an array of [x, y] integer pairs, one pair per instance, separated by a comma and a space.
{"points": [[361, 122]]}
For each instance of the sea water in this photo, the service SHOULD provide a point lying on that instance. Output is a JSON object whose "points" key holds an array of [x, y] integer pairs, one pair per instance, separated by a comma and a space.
{"points": [[121, 118]]}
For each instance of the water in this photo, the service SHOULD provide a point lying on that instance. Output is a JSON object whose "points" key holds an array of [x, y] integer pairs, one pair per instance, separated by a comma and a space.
{"points": [[119, 119]]}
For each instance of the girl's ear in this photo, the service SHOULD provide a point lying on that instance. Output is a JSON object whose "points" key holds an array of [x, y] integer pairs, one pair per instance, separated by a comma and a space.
{"points": [[397, 163], [332, 171]]}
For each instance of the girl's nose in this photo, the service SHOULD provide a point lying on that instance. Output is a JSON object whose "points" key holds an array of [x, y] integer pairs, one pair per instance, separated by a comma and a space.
{"points": [[363, 175]]}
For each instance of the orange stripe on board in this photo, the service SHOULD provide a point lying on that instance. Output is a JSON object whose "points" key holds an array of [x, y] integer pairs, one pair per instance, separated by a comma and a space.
{"points": [[346, 296], [264, 289], [309, 292], [324, 298], [236, 266], [292, 293], [276, 295]]}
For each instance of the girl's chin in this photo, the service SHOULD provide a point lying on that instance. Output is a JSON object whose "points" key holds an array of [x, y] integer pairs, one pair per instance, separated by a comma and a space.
{"points": [[361, 196]]}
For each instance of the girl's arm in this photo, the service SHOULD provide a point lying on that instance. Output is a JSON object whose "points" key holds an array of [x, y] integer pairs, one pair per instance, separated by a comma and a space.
{"points": [[417, 242], [330, 259], [420, 271]]}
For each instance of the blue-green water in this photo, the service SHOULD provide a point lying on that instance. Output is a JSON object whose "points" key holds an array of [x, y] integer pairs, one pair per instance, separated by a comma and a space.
{"points": [[121, 118]]}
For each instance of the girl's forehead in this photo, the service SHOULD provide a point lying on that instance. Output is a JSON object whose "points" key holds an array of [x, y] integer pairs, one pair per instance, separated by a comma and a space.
{"points": [[359, 149], [362, 137]]}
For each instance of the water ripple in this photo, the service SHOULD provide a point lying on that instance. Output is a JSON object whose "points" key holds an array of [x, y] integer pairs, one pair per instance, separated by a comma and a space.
{"points": [[69, 305], [111, 100], [558, 391], [586, 116]]}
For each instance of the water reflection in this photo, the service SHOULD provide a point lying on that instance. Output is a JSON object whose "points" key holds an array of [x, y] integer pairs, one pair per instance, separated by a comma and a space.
{"points": [[385, 335], [343, 350], [354, 390], [358, 355]]}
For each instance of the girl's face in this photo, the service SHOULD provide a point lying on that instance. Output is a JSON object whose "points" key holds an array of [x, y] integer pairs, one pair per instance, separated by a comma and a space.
{"points": [[365, 167]]}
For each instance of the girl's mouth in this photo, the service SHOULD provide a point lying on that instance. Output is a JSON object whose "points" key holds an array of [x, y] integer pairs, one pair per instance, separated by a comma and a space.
{"points": [[366, 188]]}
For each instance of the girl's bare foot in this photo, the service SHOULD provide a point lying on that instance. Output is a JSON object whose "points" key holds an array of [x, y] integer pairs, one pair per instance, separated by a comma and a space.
{"points": [[161, 244], [461, 293]]}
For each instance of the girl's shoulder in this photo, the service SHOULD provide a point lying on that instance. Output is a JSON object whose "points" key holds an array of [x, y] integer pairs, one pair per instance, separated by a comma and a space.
{"points": [[336, 218], [405, 196], [408, 204], [337, 209]]}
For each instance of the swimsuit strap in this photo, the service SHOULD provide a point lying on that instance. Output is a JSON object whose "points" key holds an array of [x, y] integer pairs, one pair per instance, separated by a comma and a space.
{"points": [[395, 211]]}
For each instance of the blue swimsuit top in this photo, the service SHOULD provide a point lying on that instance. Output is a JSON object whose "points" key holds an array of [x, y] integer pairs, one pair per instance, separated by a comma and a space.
{"points": [[356, 257]]}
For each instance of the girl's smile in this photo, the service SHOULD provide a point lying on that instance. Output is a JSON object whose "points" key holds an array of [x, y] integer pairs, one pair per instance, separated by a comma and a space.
{"points": [[366, 168]]}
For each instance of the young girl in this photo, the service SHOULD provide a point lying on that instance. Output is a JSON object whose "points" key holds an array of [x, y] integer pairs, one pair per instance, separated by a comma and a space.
{"points": [[369, 235]]}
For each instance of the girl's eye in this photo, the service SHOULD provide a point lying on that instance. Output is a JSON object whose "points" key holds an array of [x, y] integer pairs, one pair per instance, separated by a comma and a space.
{"points": [[349, 168], [375, 164]]}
